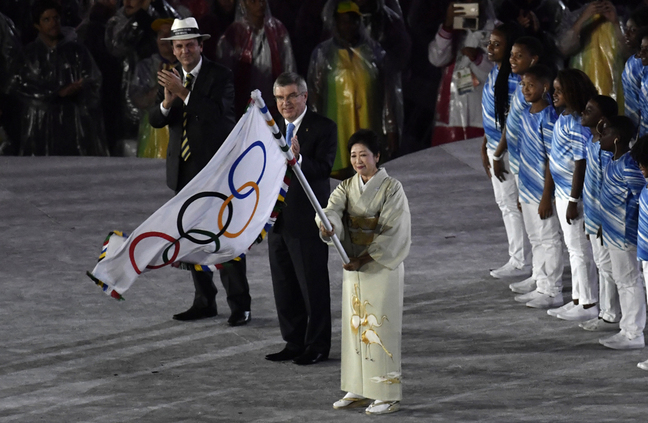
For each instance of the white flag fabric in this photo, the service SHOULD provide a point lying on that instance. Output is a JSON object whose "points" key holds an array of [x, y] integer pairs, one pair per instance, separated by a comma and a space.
{"points": [[215, 218]]}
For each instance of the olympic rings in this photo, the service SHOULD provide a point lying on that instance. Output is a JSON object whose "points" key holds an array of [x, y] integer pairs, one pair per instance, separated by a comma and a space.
{"points": [[212, 237], [174, 242], [255, 188], [230, 177]]}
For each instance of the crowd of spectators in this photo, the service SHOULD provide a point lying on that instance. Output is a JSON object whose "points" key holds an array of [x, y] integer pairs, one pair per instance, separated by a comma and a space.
{"points": [[416, 79]]}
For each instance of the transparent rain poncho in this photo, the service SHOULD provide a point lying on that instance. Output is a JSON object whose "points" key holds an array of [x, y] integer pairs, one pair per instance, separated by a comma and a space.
{"points": [[256, 56], [55, 125], [132, 39], [349, 85], [458, 113], [152, 142], [10, 51], [597, 51], [385, 24]]}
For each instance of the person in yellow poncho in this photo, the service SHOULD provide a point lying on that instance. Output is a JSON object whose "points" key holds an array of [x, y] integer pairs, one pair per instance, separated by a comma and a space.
{"points": [[152, 142], [347, 83], [592, 36]]}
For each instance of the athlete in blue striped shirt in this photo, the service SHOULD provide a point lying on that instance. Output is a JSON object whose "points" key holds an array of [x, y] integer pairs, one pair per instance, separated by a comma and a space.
{"points": [[537, 188], [598, 112], [643, 98], [622, 185], [633, 71], [498, 91], [640, 154], [572, 90]]}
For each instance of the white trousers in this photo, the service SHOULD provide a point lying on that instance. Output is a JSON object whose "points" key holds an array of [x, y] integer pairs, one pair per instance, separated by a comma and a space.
{"points": [[608, 294], [506, 197], [546, 245], [632, 296], [581, 260]]}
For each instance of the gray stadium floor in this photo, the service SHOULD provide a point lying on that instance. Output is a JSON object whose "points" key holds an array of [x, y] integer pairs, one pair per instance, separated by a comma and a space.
{"points": [[69, 353]]}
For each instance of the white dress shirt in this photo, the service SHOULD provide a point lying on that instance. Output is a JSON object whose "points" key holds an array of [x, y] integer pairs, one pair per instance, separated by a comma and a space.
{"points": [[194, 72]]}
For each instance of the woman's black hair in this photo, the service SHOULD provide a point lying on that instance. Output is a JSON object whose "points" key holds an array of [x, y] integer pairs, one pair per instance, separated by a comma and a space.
{"points": [[608, 105], [511, 32], [366, 137], [624, 126], [639, 151], [577, 88]]}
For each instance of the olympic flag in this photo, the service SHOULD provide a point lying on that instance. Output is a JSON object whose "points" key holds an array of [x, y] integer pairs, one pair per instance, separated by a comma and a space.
{"points": [[215, 218]]}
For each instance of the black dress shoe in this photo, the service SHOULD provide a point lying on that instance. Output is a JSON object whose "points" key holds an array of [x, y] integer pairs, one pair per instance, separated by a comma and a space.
{"points": [[310, 357], [239, 318], [284, 355], [196, 313]]}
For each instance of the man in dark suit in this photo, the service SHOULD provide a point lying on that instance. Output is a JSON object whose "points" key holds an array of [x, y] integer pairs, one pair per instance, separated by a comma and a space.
{"points": [[196, 100], [298, 258]]}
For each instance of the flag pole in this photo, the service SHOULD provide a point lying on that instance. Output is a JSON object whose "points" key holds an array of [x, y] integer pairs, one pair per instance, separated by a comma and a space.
{"points": [[292, 161]]}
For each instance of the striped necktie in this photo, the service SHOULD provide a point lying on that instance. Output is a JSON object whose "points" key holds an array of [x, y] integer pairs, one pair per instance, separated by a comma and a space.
{"points": [[184, 147]]}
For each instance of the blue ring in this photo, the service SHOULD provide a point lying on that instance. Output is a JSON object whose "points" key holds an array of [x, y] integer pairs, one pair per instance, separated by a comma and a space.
{"points": [[230, 178]]}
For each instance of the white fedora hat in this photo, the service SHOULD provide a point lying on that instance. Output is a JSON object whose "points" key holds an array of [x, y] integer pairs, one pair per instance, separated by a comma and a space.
{"points": [[185, 29]]}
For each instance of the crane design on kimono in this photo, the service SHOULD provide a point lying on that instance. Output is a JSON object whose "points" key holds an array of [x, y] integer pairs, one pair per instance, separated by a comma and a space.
{"points": [[360, 318]]}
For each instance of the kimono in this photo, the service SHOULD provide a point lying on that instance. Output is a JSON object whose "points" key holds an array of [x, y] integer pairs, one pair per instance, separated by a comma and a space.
{"points": [[376, 221]]}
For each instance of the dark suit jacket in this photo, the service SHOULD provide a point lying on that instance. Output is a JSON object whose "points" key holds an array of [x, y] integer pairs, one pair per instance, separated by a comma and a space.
{"points": [[210, 114], [317, 137]]}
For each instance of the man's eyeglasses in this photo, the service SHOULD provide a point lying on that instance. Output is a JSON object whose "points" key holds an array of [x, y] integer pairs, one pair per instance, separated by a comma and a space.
{"points": [[290, 97]]}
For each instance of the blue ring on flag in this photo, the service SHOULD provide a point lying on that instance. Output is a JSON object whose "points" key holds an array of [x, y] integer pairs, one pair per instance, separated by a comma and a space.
{"points": [[230, 178]]}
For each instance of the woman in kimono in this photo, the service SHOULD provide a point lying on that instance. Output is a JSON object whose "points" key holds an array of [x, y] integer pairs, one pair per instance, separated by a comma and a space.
{"points": [[370, 214]]}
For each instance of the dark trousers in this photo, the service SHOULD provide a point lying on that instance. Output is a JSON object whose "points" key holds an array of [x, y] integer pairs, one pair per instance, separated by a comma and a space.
{"points": [[233, 275], [234, 281], [300, 281]]}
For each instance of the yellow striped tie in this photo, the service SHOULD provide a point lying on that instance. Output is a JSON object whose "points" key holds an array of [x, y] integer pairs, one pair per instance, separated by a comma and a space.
{"points": [[184, 147]]}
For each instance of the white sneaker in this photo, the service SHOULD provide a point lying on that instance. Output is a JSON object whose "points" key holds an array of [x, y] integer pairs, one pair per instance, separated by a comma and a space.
{"points": [[525, 298], [509, 270], [599, 325], [643, 365], [546, 301], [523, 287], [621, 342], [579, 314], [554, 311]]}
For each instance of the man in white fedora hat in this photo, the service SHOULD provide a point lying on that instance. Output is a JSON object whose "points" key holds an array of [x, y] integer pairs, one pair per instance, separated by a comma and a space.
{"points": [[196, 100]]}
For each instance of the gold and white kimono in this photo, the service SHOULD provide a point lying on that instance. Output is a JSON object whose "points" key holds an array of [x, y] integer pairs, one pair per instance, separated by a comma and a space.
{"points": [[373, 219]]}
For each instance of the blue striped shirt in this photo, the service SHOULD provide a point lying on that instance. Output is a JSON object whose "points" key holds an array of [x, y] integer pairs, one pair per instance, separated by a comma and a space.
{"points": [[631, 79], [643, 104], [535, 148], [514, 126], [622, 185], [642, 230], [491, 128], [597, 160], [567, 146]]}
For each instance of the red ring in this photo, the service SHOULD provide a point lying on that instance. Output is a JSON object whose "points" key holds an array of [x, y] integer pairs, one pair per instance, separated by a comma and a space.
{"points": [[145, 235]]}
